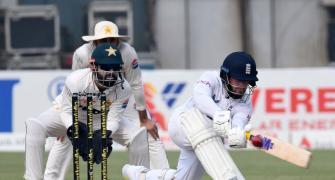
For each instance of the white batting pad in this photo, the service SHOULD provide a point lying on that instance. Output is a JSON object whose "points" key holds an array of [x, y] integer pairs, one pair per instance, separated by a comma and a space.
{"points": [[208, 146]]}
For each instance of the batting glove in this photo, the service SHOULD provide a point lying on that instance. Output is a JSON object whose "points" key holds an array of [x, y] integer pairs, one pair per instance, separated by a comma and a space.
{"points": [[237, 138], [222, 123]]}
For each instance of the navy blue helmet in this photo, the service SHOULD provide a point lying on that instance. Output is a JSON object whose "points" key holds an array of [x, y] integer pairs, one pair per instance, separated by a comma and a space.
{"points": [[240, 66]]}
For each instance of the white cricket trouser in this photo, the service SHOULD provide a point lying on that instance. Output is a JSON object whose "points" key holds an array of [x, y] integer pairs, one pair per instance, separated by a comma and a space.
{"points": [[60, 155], [49, 124], [59, 158], [189, 167]]}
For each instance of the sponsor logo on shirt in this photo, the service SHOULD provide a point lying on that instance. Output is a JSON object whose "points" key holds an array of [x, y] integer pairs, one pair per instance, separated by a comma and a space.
{"points": [[134, 64], [125, 103], [204, 82]]}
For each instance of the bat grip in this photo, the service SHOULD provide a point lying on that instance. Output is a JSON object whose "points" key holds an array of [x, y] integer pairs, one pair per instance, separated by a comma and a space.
{"points": [[248, 135]]}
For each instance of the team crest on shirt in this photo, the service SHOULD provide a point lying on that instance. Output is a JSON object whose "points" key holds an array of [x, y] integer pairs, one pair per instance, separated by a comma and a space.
{"points": [[125, 103], [206, 83], [134, 64]]}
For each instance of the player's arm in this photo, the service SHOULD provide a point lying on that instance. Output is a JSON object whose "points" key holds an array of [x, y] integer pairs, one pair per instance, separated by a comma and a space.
{"points": [[70, 87], [241, 115], [240, 118], [134, 76], [66, 106], [80, 58], [203, 93]]}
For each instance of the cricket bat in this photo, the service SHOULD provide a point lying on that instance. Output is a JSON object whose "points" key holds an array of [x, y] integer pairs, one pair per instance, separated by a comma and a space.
{"points": [[281, 149]]}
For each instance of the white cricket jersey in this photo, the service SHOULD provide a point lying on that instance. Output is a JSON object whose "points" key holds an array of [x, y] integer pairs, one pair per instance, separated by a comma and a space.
{"points": [[209, 96], [81, 81], [131, 68]]}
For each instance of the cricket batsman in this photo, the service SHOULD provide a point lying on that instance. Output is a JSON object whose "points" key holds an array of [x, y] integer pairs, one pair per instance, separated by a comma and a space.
{"points": [[107, 32], [105, 75], [217, 112], [199, 132]]}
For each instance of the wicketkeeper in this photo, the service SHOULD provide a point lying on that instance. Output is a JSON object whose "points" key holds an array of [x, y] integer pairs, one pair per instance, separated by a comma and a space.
{"points": [[105, 75]]}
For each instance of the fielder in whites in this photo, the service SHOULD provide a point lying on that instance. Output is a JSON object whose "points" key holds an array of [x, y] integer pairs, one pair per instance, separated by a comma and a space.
{"points": [[218, 112], [107, 32], [105, 75]]}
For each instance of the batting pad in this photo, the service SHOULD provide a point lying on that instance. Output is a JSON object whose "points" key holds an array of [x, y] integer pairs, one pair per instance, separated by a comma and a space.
{"points": [[208, 146]]}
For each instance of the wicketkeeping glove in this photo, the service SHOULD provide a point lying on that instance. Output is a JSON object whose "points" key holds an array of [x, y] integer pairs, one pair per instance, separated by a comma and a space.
{"points": [[97, 145], [82, 145]]}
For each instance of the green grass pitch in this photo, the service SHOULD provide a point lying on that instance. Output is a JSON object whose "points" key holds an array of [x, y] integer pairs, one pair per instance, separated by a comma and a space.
{"points": [[255, 165]]}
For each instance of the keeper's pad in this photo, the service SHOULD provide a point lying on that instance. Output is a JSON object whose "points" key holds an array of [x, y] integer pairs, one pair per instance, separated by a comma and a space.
{"points": [[208, 146], [138, 149]]}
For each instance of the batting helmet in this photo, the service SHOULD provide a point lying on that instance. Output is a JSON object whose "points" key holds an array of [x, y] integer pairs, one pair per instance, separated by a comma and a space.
{"points": [[240, 66]]}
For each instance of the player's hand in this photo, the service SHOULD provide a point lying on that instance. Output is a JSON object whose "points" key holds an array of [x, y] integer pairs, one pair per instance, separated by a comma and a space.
{"points": [[82, 144], [82, 130], [151, 128], [237, 138], [222, 123], [97, 145]]}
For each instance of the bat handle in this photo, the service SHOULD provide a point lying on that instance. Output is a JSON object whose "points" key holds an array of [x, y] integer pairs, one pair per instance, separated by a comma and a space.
{"points": [[248, 135]]}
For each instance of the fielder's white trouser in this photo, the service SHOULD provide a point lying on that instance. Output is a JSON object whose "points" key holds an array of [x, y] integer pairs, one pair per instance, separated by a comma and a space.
{"points": [[49, 124], [189, 167], [132, 172], [59, 158]]}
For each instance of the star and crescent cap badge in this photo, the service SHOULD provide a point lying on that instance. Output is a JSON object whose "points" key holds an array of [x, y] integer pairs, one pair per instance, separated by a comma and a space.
{"points": [[111, 51]]}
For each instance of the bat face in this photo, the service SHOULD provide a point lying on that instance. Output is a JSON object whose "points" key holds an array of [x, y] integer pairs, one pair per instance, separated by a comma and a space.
{"points": [[283, 150]]}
